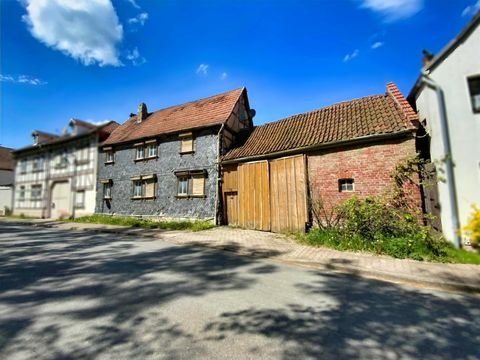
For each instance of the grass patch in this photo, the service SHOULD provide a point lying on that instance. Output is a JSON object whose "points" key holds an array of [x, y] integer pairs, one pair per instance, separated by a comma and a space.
{"points": [[143, 223], [408, 247]]}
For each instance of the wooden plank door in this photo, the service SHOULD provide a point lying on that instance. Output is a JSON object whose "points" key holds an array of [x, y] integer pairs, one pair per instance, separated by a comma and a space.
{"points": [[288, 194], [231, 207], [254, 195]]}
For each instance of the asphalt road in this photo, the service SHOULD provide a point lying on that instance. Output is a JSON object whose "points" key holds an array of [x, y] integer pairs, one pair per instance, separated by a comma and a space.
{"points": [[77, 295]]}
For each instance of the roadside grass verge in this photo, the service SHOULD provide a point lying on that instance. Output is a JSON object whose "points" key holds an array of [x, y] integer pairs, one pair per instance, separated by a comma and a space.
{"points": [[407, 247], [143, 223]]}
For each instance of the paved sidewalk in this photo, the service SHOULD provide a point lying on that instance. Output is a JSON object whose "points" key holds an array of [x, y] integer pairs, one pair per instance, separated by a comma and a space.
{"points": [[280, 248]]}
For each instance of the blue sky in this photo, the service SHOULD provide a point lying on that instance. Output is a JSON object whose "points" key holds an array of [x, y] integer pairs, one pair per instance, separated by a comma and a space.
{"points": [[97, 59]]}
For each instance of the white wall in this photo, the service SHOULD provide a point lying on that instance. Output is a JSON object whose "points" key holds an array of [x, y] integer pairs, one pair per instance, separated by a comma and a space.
{"points": [[463, 126]]}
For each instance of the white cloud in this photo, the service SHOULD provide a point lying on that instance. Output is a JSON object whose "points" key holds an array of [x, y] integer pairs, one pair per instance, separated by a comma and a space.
{"points": [[134, 4], [202, 69], [224, 76], [86, 30], [351, 56], [393, 10], [139, 19], [135, 57], [471, 10], [22, 79], [376, 45]]}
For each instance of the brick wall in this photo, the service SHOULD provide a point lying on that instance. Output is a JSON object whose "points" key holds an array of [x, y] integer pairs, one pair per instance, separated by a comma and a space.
{"points": [[369, 165]]}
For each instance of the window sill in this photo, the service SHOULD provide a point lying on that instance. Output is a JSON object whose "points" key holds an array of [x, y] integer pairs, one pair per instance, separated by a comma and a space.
{"points": [[146, 158], [142, 198], [83, 162], [191, 196], [187, 152], [107, 198], [109, 162], [37, 171]]}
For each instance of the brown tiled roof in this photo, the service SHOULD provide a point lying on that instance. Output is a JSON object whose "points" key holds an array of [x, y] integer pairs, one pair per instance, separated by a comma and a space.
{"points": [[349, 120], [6, 159], [196, 114]]}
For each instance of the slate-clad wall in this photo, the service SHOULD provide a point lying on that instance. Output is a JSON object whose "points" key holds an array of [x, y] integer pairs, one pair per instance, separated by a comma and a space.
{"points": [[169, 160]]}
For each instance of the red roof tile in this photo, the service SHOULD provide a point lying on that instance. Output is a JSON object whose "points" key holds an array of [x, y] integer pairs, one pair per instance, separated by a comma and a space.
{"points": [[210, 111], [349, 120]]}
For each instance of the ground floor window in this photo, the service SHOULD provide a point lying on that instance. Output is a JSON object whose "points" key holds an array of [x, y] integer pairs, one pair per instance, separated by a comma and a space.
{"points": [[345, 185], [144, 187], [21, 193], [36, 192], [80, 199], [107, 188], [191, 183]]}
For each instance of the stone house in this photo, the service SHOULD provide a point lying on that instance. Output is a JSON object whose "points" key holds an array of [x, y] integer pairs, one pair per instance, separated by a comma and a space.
{"points": [[7, 166], [447, 98], [165, 164], [55, 176], [349, 148]]}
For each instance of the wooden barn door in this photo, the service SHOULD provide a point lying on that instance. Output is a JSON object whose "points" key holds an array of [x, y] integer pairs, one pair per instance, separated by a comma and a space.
{"points": [[288, 194], [253, 196]]}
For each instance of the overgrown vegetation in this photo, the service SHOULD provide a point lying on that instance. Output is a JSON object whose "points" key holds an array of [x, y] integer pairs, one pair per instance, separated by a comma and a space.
{"points": [[144, 223], [384, 224]]}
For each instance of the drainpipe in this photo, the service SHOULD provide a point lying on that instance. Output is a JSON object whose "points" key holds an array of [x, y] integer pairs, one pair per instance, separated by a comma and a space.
{"points": [[219, 178], [450, 178]]}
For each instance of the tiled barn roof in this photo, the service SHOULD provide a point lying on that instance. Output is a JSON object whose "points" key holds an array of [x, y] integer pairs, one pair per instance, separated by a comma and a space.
{"points": [[349, 120]]}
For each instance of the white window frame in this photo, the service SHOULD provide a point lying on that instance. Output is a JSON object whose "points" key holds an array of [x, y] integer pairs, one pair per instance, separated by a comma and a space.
{"points": [[139, 150], [80, 205], [346, 185], [107, 190], [23, 166], [152, 150], [36, 192], [21, 193]]}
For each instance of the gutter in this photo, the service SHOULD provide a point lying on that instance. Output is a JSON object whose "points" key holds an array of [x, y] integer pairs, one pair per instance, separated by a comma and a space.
{"points": [[219, 177], [450, 178], [322, 146]]}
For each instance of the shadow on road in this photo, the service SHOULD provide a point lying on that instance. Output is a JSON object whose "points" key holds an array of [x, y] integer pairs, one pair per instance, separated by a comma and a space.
{"points": [[74, 295]]}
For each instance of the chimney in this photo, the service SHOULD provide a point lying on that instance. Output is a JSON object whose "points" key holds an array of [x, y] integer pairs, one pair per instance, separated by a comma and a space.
{"points": [[142, 112], [426, 57]]}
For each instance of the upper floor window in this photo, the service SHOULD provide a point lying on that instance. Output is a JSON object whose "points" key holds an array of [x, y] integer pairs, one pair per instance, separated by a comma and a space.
{"points": [[109, 158], [186, 143], [23, 166], [474, 88], [83, 155], [152, 149], [37, 164], [345, 185], [139, 151]]}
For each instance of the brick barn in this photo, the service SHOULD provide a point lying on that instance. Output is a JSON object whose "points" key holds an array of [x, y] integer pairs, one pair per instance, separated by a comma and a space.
{"points": [[349, 148]]}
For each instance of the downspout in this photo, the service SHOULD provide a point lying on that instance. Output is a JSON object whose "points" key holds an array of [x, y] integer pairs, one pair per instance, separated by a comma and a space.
{"points": [[450, 178], [219, 177]]}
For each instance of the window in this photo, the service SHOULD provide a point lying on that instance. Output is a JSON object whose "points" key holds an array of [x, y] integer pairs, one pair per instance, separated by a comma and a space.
{"points": [[345, 185], [109, 158], [107, 188], [474, 88], [191, 183], [21, 193], [182, 186], [139, 152], [152, 150], [186, 143], [36, 192], [82, 155], [80, 199], [143, 187], [23, 166], [37, 164]]}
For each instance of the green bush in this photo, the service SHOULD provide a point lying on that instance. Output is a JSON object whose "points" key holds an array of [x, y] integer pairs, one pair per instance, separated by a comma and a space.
{"points": [[374, 225]]}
